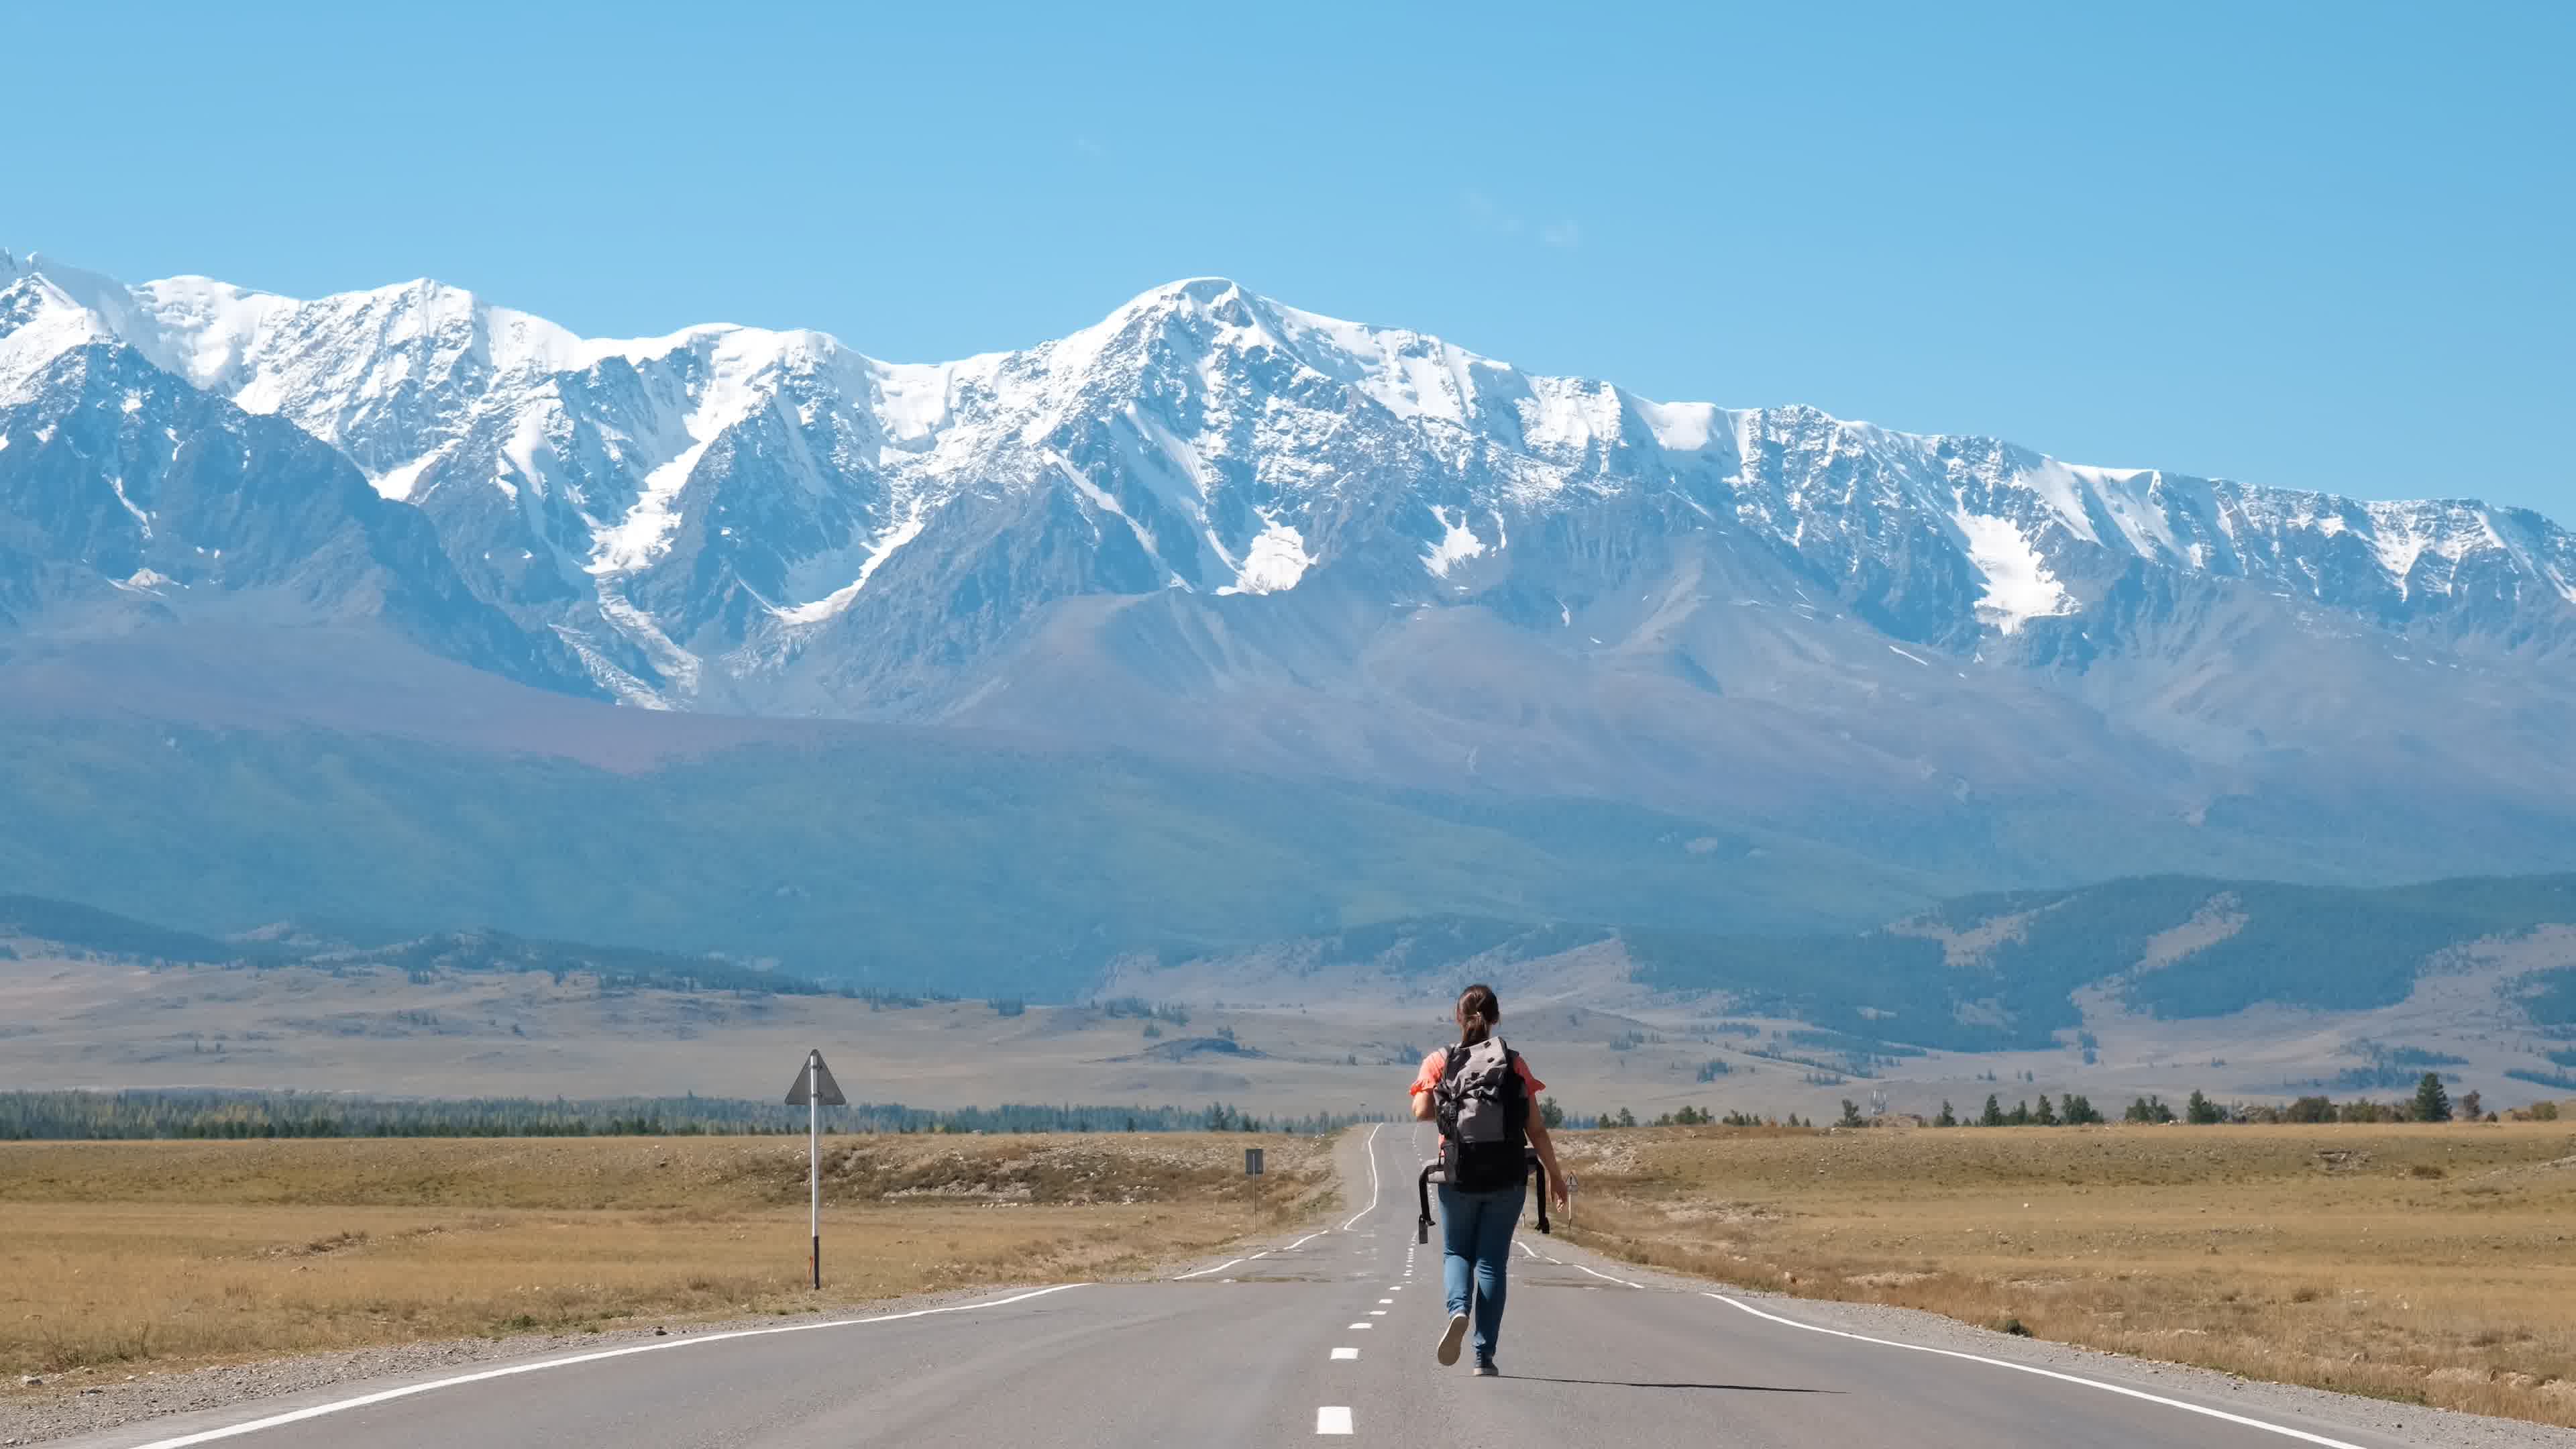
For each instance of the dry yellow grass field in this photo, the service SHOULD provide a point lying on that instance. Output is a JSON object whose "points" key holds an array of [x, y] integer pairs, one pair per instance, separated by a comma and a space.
{"points": [[2427, 1264], [176, 1253]]}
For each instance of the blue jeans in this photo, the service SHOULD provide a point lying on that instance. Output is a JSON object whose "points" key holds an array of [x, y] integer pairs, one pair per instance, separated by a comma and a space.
{"points": [[1476, 1238]]}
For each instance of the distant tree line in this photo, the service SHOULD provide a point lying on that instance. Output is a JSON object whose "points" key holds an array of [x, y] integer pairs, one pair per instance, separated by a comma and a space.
{"points": [[2431, 1102], [1685, 1116], [1137, 1006], [1218, 1117], [132, 1115]]}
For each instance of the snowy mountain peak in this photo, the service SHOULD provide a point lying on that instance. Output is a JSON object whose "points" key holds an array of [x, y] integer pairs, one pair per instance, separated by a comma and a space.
{"points": [[1274, 541], [39, 321], [704, 513], [1186, 292]]}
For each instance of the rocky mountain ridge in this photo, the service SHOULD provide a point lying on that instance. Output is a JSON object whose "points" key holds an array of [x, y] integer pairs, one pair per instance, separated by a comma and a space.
{"points": [[710, 515], [1218, 527]]}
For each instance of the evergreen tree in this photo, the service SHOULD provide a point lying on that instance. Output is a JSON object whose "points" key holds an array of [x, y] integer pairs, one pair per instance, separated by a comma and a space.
{"points": [[2472, 1107], [1851, 1113], [2080, 1111], [2046, 1116], [1948, 1117], [2432, 1103], [2020, 1114], [1993, 1116], [1550, 1115], [2200, 1111], [2150, 1109]]}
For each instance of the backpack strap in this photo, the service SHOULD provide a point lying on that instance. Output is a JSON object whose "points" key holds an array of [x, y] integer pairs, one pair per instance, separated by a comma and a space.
{"points": [[1517, 1106], [1444, 1093]]}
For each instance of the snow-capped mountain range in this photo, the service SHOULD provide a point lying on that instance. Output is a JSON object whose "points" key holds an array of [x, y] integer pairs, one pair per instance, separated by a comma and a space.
{"points": [[1216, 523]]}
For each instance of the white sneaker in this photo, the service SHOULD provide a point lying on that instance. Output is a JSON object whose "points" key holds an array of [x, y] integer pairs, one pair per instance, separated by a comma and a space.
{"points": [[1449, 1341]]}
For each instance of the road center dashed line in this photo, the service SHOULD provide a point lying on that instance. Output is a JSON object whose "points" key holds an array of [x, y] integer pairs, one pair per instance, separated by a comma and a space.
{"points": [[1333, 1419], [1346, 1353]]}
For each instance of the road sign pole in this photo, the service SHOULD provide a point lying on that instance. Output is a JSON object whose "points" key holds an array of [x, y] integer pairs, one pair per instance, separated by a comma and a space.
{"points": [[814, 1090], [814, 1160]]}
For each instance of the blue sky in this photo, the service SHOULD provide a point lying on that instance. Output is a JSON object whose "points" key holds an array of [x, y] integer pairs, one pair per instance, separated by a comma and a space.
{"points": [[2309, 245]]}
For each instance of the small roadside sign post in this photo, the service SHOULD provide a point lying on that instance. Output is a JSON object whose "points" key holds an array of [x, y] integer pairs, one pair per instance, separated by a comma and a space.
{"points": [[814, 1090], [1252, 1170]]}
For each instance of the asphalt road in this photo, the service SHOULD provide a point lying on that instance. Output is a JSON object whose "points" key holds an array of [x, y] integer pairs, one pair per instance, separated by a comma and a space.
{"points": [[1322, 1333]]}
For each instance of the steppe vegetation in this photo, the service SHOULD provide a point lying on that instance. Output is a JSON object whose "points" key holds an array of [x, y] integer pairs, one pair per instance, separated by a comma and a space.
{"points": [[2428, 1264], [149, 1114], [161, 1254]]}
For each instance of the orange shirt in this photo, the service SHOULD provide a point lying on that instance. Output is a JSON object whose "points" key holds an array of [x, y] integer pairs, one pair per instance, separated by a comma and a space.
{"points": [[1438, 1062]]}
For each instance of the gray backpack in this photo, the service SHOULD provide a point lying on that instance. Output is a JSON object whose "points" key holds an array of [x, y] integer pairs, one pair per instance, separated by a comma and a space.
{"points": [[1483, 1108]]}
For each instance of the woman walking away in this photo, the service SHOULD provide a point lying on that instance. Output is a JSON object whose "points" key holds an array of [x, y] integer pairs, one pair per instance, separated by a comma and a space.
{"points": [[1482, 1095]]}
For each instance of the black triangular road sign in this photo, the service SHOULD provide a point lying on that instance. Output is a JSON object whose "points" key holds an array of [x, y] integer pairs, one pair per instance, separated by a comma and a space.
{"points": [[829, 1096]]}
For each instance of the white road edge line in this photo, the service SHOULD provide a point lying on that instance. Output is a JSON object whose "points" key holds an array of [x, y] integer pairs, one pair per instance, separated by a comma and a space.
{"points": [[1371, 1146], [1301, 1242], [1346, 1353], [2023, 1368], [1333, 1419], [1203, 1272], [363, 1400], [1622, 1282]]}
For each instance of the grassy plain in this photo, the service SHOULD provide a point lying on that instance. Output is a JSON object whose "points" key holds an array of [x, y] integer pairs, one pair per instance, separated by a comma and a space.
{"points": [[167, 1254], [2425, 1264]]}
